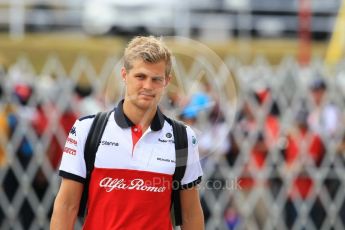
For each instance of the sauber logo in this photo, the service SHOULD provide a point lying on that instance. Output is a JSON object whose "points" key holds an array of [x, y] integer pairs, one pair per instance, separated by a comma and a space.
{"points": [[136, 184], [165, 140]]}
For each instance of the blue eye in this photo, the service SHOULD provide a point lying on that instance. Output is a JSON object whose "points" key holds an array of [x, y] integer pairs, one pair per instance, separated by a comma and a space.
{"points": [[157, 79]]}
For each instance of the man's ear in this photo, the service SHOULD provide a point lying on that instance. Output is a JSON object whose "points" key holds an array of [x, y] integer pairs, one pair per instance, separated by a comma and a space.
{"points": [[123, 73], [167, 80]]}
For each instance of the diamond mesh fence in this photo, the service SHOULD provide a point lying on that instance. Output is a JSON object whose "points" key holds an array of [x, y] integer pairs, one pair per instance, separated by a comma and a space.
{"points": [[272, 148]]}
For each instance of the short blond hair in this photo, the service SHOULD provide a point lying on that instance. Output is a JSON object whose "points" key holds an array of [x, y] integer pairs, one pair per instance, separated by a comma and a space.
{"points": [[149, 49]]}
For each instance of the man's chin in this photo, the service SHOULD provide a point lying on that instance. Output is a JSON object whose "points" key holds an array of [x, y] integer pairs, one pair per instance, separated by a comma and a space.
{"points": [[146, 104]]}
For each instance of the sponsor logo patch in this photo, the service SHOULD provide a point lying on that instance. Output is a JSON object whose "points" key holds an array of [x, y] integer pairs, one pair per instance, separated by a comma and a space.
{"points": [[72, 141], [165, 141], [166, 160], [69, 151], [109, 143]]}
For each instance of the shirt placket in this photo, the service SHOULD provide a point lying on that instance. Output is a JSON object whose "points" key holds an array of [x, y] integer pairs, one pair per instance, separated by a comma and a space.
{"points": [[137, 137]]}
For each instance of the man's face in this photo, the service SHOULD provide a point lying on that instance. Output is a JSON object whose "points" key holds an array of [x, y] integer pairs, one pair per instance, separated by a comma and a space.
{"points": [[145, 83]]}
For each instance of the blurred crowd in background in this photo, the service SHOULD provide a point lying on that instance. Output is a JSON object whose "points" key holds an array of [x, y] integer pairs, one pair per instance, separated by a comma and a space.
{"points": [[273, 153], [277, 158]]}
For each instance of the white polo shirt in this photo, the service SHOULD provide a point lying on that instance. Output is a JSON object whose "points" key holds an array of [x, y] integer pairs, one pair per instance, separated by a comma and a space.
{"points": [[131, 184]]}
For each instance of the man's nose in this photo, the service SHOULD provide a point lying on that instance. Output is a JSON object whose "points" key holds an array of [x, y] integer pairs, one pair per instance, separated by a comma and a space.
{"points": [[148, 84]]}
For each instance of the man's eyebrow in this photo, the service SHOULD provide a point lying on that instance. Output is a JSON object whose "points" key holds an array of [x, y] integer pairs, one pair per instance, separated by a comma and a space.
{"points": [[147, 75], [140, 73]]}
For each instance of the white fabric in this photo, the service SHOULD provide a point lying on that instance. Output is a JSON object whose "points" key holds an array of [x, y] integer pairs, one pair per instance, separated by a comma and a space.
{"points": [[154, 152]]}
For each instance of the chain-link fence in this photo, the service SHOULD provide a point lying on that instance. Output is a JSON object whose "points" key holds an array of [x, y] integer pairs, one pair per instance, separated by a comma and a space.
{"points": [[273, 153]]}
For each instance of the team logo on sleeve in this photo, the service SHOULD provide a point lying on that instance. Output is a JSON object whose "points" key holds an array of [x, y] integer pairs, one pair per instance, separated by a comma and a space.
{"points": [[73, 131], [194, 141]]}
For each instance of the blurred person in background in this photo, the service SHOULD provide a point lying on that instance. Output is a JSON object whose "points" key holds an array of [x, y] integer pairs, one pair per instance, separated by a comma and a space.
{"points": [[41, 122], [194, 105], [252, 183], [304, 149], [87, 103], [4, 129], [340, 152], [175, 99], [52, 119], [189, 118], [333, 180], [231, 217], [21, 116], [250, 121], [264, 134], [137, 121], [324, 116], [231, 155], [42, 125], [215, 140], [334, 187]]}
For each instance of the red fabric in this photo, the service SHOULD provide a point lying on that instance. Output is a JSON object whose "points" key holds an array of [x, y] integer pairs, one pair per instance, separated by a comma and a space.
{"points": [[303, 184], [246, 182], [137, 132], [258, 158], [119, 200], [315, 149], [263, 95], [272, 129], [41, 123], [259, 151], [55, 149], [257, 162], [23, 91]]}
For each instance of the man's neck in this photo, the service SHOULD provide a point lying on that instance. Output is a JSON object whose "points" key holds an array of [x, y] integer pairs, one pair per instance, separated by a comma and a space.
{"points": [[140, 117]]}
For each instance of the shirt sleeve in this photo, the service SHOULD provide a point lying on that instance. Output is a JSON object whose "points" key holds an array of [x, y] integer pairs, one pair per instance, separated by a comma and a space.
{"points": [[72, 163], [193, 171]]}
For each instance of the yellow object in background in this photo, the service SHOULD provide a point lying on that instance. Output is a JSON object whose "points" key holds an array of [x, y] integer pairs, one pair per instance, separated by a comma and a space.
{"points": [[336, 48], [3, 136]]}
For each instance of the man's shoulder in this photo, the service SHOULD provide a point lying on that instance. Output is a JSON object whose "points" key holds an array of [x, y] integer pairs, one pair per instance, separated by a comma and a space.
{"points": [[192, 138], [83, 124], [87, 117]]}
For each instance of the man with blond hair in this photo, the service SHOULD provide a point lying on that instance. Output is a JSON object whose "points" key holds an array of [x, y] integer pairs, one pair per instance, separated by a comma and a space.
{"points": [[131, 183]]}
